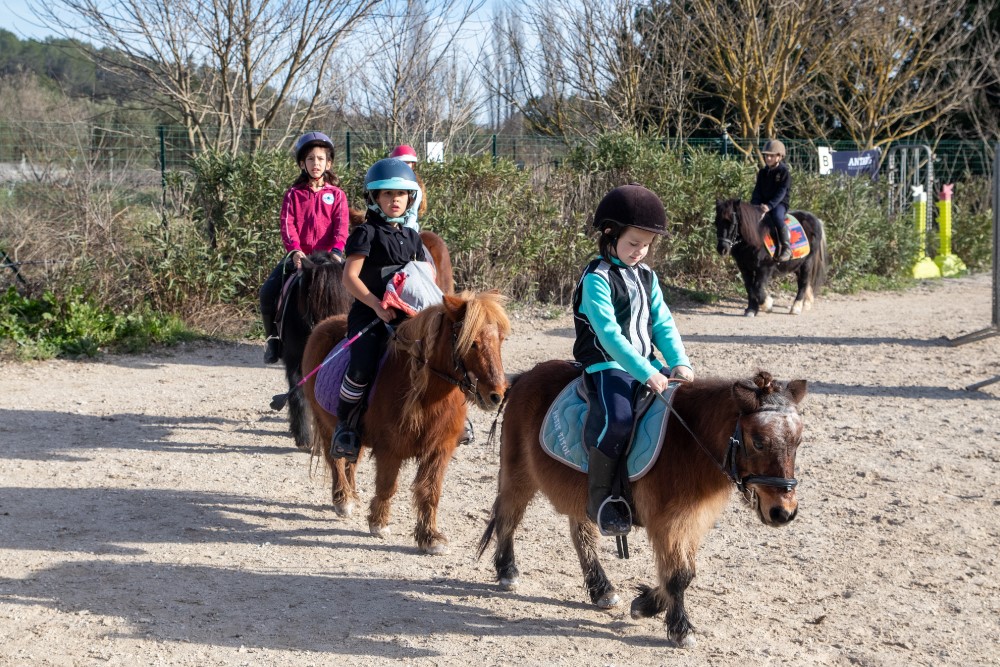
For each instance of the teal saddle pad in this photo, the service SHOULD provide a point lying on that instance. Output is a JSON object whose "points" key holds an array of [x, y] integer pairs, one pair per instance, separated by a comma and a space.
{"points": [[561, 434]]}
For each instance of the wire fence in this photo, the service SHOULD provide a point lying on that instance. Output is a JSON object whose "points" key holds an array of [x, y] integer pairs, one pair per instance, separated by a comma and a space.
{"points": [[144, 155]]}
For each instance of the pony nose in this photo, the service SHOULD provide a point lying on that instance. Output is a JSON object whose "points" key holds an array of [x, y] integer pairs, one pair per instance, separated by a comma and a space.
{"points": [[722, 248], [495, 398], [780, 516]]}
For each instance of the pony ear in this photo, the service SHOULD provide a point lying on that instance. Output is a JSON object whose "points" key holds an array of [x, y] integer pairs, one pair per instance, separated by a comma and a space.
{"points": [[797, 390], [455, 306], [307, 263], [745, 393]]}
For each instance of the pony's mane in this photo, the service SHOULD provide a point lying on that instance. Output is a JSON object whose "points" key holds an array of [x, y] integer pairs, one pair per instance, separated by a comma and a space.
{"points": [[322, 292], [750, 221], [419, 336]]}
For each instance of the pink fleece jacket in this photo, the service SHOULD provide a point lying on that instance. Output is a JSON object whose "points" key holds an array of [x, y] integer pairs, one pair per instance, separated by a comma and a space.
{"points": [[314, 220]]}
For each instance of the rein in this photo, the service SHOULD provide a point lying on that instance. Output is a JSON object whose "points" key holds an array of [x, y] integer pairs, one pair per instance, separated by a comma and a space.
{"points": [[730, 466]]}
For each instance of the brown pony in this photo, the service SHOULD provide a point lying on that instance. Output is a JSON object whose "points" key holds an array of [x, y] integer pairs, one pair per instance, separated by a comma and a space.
{"points": [[721, 432], [439, 359]]}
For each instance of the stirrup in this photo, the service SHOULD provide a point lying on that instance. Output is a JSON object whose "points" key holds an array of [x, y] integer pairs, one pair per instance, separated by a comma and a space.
{"points": [[468, 435], [346, 443], [620, 520], [784, 255]]}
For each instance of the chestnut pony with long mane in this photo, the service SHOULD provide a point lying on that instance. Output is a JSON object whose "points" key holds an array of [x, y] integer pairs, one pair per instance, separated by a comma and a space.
{"points": [[721, 433], [438, 360], [319, 293], [740, 232]]}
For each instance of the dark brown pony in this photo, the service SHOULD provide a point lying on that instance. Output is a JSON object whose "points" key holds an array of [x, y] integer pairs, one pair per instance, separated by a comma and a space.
{"points": [[723, 432], [317, 292], [740, 232], [439, 359]]}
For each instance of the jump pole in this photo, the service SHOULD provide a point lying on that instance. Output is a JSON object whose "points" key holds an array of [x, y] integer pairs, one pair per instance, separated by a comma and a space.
{"points": [[994, 328]]}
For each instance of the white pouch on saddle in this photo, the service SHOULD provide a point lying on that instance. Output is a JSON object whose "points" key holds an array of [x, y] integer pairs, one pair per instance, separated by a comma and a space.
{"points": [[412, 288]]}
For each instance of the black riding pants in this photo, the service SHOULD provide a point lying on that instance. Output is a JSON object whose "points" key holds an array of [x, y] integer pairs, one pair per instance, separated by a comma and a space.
{"points": [[776, 220]]}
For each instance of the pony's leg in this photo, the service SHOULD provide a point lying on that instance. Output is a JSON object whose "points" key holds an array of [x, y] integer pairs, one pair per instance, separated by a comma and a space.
{"points": [[761, 280], [508, 512], [298, 415], [676, 571], [748, 284], [427, 486], [343, 494], [804, 296], [386, 483], [585, 537]]}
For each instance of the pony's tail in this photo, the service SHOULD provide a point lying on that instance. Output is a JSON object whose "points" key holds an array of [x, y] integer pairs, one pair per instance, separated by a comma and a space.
{"points": [[491, 527], [817, 272]]}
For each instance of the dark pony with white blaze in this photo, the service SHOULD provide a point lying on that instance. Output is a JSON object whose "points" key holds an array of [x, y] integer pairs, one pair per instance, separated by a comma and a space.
{"points": [[438, 360], [740, 232], [723, 433]]}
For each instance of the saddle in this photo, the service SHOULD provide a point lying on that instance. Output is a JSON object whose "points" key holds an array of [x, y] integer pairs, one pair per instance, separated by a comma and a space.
{"points": [[561, 435], [331, 376], [797, 236]]}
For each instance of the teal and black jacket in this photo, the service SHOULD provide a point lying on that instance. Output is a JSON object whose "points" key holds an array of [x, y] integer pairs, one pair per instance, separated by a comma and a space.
{"points": [[621, 318]]}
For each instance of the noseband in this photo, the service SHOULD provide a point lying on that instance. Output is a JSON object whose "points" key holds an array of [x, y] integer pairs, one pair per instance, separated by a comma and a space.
{"points": [[730, 466]]}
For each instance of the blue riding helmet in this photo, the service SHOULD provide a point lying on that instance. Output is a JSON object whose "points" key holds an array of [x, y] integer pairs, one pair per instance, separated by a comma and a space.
{"points": [[391, 174], [308, 140]]}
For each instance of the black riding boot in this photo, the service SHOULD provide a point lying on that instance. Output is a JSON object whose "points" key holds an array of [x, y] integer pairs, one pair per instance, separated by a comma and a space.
{"points": [[784, 241], [611, 515], [346, 442], [272, 349]]}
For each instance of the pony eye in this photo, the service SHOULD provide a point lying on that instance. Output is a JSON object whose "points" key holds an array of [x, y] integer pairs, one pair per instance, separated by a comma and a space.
{"points": [[758, 444]]}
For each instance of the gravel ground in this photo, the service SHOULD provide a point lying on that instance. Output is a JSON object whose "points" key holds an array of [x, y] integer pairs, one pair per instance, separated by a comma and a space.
{"points": [[154, 511]]}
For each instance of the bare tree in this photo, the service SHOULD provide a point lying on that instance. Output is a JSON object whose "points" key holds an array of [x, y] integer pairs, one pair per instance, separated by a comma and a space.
{"points": [[414, 79], [903, 66], [755, 56], [218, 67]]}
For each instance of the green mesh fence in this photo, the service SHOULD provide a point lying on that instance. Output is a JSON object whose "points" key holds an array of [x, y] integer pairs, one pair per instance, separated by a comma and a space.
{"points": [[144, 154]]}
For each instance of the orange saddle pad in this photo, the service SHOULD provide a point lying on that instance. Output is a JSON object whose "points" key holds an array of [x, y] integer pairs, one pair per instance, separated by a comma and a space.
{"points": [[800, 244]]}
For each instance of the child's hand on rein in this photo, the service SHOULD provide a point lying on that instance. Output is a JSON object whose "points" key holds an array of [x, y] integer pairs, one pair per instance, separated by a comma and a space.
{"points": [[683, 373]]}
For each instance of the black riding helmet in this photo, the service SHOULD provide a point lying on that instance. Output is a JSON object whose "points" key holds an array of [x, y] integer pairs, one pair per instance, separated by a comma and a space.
{"points": [[631, 205]]}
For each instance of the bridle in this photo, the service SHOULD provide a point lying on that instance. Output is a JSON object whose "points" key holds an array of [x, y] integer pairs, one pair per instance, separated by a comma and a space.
{"points": [[731, 238], [736, 448], [464, 381]]}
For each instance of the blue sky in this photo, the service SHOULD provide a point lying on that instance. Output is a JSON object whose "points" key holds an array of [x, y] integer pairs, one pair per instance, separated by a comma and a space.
{"points": [[16, 16]]}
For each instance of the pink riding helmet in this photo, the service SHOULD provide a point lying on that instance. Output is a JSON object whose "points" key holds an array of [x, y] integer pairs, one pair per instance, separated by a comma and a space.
{"points": [[404, 152]]}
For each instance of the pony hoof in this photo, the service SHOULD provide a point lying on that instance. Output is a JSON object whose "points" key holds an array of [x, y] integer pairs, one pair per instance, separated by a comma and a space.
{"points": [[796, 309], [380, 532], [435, 548], [768, 305], [608, 600], [509, 583], [344, 509], [749, 313], [687, 641]]}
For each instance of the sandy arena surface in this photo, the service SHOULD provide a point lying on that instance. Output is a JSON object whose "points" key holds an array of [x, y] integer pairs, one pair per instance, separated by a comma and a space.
{"points": [[154, 511]]}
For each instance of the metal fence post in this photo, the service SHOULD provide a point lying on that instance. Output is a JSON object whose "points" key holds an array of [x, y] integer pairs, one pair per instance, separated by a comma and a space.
{"points": [[162, 131], [347, 147], [494, 142]]}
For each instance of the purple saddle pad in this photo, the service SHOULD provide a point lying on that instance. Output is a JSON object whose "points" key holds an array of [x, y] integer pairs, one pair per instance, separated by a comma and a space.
{"points": [[331, 376]]}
